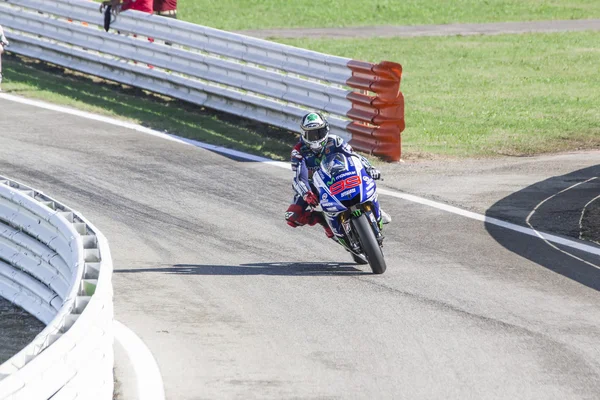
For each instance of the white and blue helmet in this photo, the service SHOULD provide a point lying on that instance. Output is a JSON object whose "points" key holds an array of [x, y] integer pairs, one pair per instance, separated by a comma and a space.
{"points": [[315, 131]]}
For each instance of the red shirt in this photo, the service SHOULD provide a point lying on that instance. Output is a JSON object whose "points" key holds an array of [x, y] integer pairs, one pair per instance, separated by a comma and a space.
{"points": [[165, 5], [140, 5]]}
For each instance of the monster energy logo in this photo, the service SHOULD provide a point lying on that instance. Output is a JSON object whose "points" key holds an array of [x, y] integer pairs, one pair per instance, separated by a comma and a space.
{"points": [[356, 213], [312, 117]]}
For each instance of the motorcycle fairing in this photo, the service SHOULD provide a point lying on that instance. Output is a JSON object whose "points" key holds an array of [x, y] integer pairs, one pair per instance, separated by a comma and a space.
{"points": [[340, 179]]}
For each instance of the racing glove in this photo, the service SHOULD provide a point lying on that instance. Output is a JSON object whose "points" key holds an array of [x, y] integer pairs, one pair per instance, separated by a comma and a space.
{"points": [[311, 199], [374, 172]]}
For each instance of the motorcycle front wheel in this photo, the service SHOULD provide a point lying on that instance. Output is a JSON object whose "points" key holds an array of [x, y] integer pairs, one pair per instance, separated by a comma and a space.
{"points": [[369, 244]]}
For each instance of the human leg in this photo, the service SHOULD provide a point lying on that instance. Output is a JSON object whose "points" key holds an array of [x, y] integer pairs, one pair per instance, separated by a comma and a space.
{"points": [[298, 215], [382, 216]]}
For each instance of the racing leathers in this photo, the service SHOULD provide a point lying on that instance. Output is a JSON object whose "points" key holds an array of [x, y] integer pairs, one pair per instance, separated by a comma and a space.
{"points": [[304, 164]]}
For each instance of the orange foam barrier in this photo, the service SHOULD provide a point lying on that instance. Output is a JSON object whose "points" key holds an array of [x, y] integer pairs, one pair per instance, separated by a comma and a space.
{"points": [[377, 121]]}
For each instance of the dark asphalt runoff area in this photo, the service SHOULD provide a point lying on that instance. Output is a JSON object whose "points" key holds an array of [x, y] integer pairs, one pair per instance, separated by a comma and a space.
{"points": [[234, 304], [17, 328]]}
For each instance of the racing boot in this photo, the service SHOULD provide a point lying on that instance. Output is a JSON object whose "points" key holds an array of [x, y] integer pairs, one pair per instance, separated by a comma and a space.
{"points": [[384, 217], [325, 226], [328, 231]]}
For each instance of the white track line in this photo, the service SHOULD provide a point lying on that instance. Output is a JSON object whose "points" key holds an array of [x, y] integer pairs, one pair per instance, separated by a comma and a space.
{"points": [[575, 244], [528, 221], [493, 221], [149, 381], [142, 129], [582, 216]]}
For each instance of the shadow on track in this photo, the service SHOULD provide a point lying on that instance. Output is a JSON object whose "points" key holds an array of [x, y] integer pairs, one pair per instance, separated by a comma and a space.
{"points": [[559, 215], [279, 268]]}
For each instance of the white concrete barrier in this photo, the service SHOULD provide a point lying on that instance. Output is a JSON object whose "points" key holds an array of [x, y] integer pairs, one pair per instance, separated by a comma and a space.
{"points": [[56, 265]]}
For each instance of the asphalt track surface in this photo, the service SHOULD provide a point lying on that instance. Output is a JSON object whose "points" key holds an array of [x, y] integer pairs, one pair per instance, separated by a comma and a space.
{"points": [[235, 304]]}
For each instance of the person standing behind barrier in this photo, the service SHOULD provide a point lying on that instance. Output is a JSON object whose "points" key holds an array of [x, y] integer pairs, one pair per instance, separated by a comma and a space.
{"points": [[111, 8], [3, 44], [122, 5], [166, 8], [140, 5]]}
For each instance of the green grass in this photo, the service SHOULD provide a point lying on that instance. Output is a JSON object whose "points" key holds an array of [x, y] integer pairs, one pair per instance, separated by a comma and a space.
{"points": [[260, 14], [487, 95], [55, 85]]}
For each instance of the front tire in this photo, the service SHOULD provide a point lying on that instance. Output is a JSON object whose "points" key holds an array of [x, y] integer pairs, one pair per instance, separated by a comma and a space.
{"points": [[369, 244]]}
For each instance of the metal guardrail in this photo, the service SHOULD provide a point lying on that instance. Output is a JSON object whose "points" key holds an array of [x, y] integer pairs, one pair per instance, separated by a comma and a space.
{"points": [[237, 74], [57, 266]]}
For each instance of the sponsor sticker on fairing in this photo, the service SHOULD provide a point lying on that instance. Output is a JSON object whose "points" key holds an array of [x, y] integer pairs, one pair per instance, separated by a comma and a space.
{"points": [[348, 192], [369, 181], [345, 174]]}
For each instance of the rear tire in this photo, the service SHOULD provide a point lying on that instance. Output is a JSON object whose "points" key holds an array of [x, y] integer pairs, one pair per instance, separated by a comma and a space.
{"points": [[369, 244]]}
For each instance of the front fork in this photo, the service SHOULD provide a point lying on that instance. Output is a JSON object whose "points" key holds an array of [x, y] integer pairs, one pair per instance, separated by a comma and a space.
{"points": [[375, 220], [343, 229]]}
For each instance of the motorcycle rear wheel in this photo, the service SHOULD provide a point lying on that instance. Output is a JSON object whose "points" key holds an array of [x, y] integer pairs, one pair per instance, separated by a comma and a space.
{"points": [[369, 244]]}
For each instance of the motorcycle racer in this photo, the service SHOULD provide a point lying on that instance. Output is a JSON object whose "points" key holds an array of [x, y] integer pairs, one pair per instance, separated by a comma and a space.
{"points": [[315, 142]]}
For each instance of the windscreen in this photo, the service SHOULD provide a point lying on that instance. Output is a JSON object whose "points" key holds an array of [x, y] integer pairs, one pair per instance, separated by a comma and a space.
{"points": [[334, 164]]}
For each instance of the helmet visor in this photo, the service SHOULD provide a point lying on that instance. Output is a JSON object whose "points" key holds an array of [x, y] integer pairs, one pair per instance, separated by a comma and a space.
{"points": [[316, 134]]}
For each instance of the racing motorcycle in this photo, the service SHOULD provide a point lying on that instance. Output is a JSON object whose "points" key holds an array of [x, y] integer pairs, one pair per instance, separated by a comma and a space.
{"points": [[347, 196]]}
